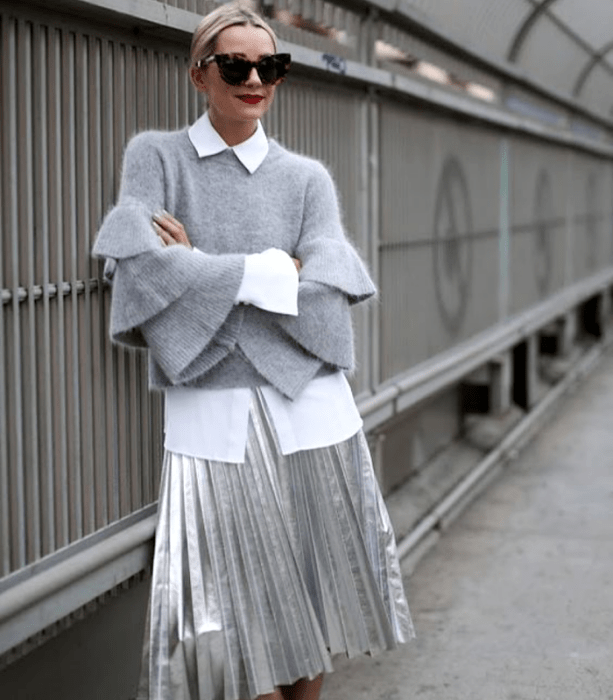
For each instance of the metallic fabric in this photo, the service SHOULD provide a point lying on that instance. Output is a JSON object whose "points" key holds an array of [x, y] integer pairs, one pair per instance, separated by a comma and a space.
{"points": [[265, 569]]}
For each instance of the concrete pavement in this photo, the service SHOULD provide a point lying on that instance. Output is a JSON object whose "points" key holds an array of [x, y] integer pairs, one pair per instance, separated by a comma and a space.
{"points": [[515, 602]]}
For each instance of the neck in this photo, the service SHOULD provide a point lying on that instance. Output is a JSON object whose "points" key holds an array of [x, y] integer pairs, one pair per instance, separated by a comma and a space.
{"points": [[232, 132]]}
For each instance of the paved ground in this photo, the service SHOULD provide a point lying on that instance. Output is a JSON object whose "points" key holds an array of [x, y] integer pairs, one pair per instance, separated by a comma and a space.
{"points": [[515, 602]]}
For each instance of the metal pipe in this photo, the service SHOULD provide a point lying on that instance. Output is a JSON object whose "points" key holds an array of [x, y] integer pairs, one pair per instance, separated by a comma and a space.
{"points": [[49, 582], [36, 596], [434, 375], [506, 451], [38, 291]]}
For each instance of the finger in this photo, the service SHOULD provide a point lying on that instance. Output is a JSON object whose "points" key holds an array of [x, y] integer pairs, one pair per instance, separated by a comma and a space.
{"points": [[171, 218], [166, 237], [160, 225], [172, 226], [167, 221]]}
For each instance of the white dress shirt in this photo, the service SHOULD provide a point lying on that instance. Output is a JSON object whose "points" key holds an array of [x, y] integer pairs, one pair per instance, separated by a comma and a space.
{"points": [[212, 423]]}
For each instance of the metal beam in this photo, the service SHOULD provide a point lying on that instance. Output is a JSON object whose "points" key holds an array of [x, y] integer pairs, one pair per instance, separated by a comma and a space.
{"points": [[595, 60], [430, 93], [524, 31]]}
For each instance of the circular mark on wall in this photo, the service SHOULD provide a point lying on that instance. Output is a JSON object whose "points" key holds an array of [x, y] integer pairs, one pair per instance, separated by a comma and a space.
{"points": [[452, 245], [591, 221], [544, 228]]}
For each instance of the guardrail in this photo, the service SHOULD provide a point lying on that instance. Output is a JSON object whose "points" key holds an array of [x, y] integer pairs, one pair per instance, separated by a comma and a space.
{"points": [[35, 597]]}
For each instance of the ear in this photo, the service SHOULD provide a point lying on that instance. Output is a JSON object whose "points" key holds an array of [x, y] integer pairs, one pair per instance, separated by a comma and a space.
{"points": [[198, 78]]}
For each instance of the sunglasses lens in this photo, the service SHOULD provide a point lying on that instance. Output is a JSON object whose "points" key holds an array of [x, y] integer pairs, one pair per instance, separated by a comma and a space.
{"points": [[233, 70], [267, 70], [279, 66]]}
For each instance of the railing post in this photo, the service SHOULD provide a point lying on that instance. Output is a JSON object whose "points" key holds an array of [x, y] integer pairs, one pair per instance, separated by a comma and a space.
{"points": [[374, 232], [488, 390], [501, 380], [369, 36], [569, 333], [525, 372], [605, 310]]}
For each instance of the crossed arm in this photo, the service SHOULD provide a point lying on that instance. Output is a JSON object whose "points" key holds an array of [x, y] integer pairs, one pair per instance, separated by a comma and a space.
{"points": [[172, 232], [164, 291]]}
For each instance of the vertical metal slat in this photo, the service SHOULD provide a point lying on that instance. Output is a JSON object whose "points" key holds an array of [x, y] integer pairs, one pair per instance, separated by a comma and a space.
{"points": [[69, 215], [55, 175], [28, 253], [83, 306], [110, 166], [5, 523], [99, 332], [41, 82], [12, 223]]}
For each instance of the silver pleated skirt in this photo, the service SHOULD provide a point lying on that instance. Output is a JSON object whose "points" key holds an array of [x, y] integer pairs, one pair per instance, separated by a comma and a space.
{"points": [[263, 570]]}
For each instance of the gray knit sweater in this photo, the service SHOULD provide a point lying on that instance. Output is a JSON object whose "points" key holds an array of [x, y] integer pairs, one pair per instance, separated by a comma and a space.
{"points": [[180, 305]]}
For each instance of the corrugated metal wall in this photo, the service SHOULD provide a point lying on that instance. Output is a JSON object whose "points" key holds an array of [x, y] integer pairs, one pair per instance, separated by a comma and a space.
{"points": [[440, 188], [82, 433], [421, 193], [541, 222]]}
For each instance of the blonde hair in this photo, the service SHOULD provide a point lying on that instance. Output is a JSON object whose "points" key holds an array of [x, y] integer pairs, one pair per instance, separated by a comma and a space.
{"points": [[239, 12]]}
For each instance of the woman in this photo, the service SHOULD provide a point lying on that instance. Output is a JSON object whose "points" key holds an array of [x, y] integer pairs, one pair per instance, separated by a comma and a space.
{"points": [[273, 548]]}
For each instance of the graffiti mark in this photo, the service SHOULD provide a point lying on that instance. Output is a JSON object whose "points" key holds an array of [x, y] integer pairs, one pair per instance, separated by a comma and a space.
{"points": [[452, 245], [333, 63], [544, 228]]}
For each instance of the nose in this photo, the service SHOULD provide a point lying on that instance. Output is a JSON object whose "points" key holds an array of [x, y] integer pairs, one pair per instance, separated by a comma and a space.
{"points": [[254, 77]]}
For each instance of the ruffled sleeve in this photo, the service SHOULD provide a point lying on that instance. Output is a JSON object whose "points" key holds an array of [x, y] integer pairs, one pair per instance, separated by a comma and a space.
{"points": [[170, 299], [326, 255], [333, 277]]}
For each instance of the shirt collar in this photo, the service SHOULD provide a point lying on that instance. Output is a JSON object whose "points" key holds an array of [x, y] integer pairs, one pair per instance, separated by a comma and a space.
{"points": [[208, 142]]}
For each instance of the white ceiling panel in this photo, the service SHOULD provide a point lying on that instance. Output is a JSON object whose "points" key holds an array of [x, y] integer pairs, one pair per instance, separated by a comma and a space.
{"points": [[485, 25], [592, 20], [550, 51], [550, 55]]}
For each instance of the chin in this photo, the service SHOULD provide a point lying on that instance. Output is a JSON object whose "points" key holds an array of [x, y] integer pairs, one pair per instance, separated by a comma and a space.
{"points": [[252, 111]]}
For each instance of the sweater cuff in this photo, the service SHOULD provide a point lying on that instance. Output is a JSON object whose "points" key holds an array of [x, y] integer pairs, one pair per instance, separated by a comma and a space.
{"points": [[270, 282], [336, 264]]}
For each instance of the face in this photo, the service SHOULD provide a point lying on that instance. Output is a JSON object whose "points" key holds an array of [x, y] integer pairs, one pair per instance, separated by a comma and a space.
{"points": [[228, 103]]}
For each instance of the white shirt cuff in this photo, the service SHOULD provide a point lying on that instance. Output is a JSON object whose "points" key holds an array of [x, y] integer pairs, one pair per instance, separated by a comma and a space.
{"points": [[270, 282]]}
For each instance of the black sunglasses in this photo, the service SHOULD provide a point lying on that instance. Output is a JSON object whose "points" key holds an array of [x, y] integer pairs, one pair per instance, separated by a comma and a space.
{"points": [[235, 71]]}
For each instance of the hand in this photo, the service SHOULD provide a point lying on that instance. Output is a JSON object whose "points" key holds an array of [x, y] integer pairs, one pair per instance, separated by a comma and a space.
{"points": [[297, 263], [169, 229]]}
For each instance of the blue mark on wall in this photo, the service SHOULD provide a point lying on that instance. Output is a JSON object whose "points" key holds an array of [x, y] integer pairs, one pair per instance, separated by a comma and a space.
{"points": [[333, 63]]}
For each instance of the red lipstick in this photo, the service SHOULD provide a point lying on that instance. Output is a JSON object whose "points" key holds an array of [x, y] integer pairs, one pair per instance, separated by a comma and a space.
{"points": [[251, 99]]}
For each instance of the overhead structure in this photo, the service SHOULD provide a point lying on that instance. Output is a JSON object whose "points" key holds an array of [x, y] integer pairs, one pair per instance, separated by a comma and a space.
{"points": [[567, 45]]}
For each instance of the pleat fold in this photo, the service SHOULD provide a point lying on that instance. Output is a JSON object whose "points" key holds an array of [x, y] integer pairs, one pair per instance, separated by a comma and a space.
{"points": [[265, 569]]}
